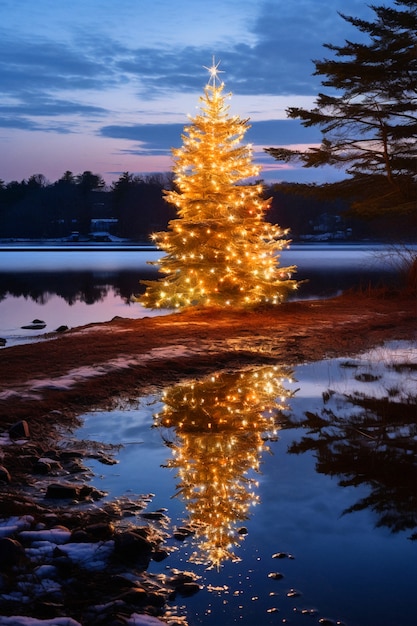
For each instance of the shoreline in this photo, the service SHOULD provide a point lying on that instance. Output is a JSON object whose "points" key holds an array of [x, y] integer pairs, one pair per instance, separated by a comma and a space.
{"points": [[88, 366]]}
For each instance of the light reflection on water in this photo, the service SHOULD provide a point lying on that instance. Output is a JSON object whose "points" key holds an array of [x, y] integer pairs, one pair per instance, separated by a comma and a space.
{"points": [[221, 426], [331, 452]]}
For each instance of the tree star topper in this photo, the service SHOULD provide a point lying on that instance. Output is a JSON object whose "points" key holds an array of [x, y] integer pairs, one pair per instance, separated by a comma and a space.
{"points": [[214, 71]]}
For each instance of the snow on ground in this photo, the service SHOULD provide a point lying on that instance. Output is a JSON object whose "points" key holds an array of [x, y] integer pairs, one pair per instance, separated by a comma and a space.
{"points": [[385, 371], [34, 387]]}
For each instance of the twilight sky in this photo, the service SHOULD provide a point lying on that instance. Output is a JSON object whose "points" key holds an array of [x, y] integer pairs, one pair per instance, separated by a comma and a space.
{"points": [[107, 86]]}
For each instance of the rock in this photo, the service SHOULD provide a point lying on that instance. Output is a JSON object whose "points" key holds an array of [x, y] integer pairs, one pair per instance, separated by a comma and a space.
{"points": [[180, 578], [136, 596], [75, 466], [33, 326], [160, 555], [182, 533], [62, 491], [153, 515], [282, 555], [61, 329], [180, 536], [20, 430], [49, 610], [310, 612], [275, 575], [72, 454], [103, 458], [90, 493], [156, 599], [2, 341], [80, 536], [11, 553], [188, 588], [143, 531], [45, 465], [4, 475], [132, 548], [36, 321], [102, 531], [118, 581], [41, 467]]}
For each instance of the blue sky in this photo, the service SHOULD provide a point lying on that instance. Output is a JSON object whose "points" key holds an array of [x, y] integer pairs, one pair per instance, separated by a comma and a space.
{"points": [[107, 86]]}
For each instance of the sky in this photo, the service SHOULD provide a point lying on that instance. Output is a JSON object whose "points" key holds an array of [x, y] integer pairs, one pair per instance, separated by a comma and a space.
{"points": [[108, 86]]}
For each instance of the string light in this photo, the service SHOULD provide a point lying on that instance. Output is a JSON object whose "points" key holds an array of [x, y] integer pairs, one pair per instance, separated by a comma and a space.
{"points": [[216, 204], [221, 426]]}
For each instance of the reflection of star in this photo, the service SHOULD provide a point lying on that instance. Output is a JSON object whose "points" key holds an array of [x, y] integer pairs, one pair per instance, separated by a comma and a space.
{"points": [[213, 70]]}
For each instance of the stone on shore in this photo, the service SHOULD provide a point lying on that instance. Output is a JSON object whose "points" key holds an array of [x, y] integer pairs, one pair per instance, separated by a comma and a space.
{"points": [[19, 430]]}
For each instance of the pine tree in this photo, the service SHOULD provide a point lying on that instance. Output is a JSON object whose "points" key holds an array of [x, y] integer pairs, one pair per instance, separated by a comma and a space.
{"points": [[368, 116], [220, 250]]}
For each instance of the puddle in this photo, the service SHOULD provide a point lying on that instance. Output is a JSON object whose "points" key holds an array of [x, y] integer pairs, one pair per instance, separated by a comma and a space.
{"points": [[296, 488]]}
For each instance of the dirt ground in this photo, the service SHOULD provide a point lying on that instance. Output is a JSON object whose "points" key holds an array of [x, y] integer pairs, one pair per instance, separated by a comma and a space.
{"points": [[90, 366]]}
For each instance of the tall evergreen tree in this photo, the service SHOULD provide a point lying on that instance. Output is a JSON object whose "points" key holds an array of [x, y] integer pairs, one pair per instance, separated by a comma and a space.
{"points": [[220, 250], [368, 119]]}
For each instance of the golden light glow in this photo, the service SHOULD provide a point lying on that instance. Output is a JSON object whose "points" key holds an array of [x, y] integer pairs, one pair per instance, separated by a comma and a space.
{"points": [[221, 426], [219, 243]]}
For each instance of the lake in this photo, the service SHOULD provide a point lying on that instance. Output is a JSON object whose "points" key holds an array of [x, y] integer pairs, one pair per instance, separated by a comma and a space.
{"points": [[76, 286]]}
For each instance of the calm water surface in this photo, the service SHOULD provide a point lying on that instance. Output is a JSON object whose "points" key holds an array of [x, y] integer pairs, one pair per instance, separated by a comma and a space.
{"points": [[76, 287], [264, 449]]}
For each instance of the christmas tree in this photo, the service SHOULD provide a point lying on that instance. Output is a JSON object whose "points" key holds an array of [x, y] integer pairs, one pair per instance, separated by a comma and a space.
{"points": [[222, 425], [220, 250]]}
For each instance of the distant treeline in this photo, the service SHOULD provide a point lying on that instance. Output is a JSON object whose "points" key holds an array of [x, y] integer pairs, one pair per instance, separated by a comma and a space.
{"points": [[133, 207]]}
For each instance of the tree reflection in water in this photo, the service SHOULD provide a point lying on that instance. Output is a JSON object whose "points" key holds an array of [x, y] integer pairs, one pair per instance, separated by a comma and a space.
{"points": [[222, 425], [72, 286], [372, 443]]}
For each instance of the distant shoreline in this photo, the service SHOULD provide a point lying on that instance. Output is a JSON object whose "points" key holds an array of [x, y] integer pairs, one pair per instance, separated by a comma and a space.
{"points": [[82, 247], [121, 246]]}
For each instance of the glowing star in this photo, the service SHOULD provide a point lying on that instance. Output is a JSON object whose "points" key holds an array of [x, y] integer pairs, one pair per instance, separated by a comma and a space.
{"points": [[214, 71]]}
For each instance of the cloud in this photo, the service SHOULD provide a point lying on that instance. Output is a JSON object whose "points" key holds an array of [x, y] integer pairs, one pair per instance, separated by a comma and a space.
{"points": [[160, 138], [285, 39], [151, 138], [18, 123], [39, 64], [51, 107], [273, 56], [45, 110]]}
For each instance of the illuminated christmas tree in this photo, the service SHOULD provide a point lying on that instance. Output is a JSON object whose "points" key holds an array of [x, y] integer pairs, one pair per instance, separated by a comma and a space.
{"points": [[220, 250], [222, 425]]}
